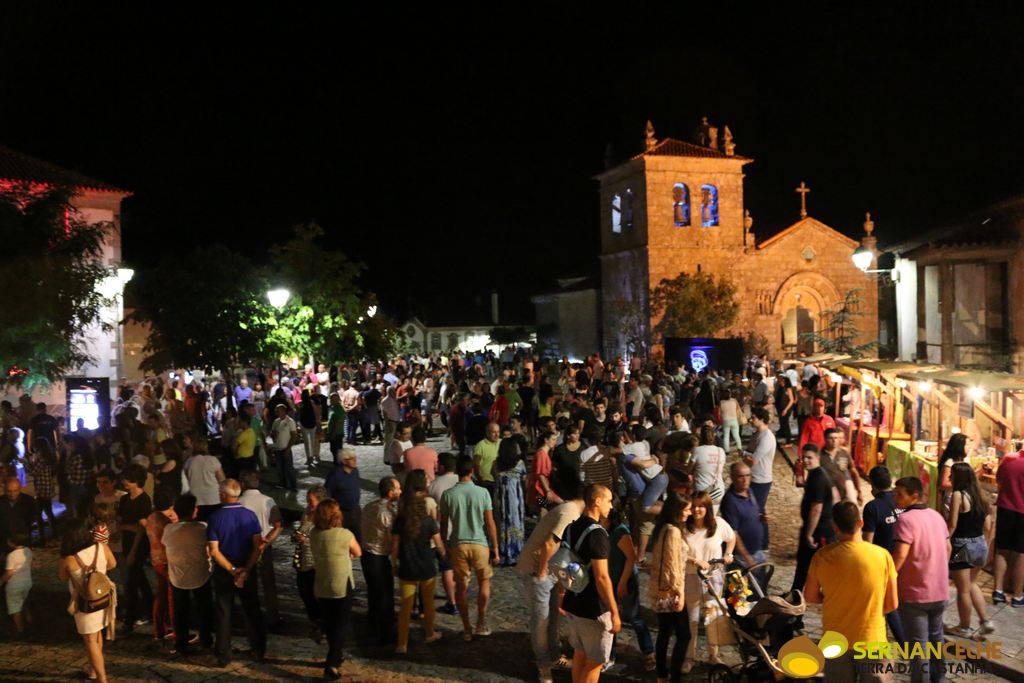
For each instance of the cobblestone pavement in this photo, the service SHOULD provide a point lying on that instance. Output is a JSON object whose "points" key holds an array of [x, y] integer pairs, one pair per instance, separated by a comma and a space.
{"points": [[53, 651]]}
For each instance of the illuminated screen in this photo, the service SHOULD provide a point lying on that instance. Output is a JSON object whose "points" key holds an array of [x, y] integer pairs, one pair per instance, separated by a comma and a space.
{"points": [[83, 404]]}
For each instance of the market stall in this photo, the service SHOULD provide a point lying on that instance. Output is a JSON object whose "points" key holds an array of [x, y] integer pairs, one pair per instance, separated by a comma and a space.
{"points": [[876, 407], [988, 407]]}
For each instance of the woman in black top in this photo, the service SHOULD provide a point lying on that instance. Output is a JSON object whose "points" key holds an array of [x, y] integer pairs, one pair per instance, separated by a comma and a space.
{"points": [[412, 534], [969, 517]]}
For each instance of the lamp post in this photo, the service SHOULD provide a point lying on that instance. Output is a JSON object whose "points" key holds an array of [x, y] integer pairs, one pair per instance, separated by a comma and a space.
{"points": [[278, 298]]}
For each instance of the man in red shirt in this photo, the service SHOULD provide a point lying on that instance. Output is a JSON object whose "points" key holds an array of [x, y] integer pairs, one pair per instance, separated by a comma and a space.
{"points": [[1010, 529], [421, 456], [815, 425]]}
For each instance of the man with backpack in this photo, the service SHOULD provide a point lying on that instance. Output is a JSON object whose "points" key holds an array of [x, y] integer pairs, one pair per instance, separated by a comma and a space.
{"points": [[592, 612]]}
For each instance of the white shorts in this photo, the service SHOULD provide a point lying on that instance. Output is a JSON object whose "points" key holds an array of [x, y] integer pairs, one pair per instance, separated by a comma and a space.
{"points": [[16, 594], [591, 636]]}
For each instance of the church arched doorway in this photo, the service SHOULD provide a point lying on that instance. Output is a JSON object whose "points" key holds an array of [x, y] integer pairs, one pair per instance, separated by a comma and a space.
{"points": [[799, 306]]}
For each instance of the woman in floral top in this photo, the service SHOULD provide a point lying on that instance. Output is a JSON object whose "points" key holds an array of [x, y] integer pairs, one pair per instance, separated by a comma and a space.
{"points": [[305, 573]]}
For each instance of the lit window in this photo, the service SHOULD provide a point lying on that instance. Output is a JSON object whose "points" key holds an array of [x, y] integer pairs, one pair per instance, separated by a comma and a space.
{"points": [[680, 205], [616, 213], [627, 211], [708, 205]]}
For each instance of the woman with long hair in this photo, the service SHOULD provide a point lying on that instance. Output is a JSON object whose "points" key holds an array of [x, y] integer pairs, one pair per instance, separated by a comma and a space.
{"points": [[302, 560], [416, 542], [705, 536], [334, 547], [667, 586], [956, 450], [509, 506], [78, 550], [970, 517]]}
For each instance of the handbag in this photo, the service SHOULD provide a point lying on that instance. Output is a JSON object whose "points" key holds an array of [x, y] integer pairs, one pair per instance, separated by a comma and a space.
{"points": [[959, 555], [665, 601]]}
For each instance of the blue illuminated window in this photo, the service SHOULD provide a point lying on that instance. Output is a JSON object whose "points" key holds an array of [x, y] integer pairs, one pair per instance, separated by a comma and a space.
{"points": [[708, 205], [616, 213], [680, 204]]}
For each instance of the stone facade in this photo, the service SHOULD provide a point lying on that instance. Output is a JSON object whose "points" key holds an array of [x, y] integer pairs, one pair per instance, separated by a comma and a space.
{"points": [[784, 283]]}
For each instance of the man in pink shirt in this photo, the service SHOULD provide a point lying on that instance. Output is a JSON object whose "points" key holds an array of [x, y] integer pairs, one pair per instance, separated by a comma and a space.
{"points": [[1010, 529], [921, 555], [420, 456]]}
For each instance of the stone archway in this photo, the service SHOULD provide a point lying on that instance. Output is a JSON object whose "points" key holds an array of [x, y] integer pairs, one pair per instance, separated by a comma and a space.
{"points": [[798, 305]]}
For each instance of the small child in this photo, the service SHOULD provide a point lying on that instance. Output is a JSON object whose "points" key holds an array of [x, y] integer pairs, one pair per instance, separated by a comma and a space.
{"points": [[17, 579], [101, 514]]}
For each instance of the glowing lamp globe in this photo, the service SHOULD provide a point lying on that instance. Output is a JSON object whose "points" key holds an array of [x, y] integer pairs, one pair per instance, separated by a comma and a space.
{"points": [[278, 297], [862, 257]]}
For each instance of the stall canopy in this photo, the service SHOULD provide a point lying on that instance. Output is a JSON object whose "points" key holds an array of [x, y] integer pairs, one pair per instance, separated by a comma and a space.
{"points": [[966, 379]]}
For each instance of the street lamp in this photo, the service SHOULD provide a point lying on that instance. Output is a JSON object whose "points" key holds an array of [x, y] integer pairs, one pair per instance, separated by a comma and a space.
{"points": [[371, 311], [862, 258], [278, 297]]}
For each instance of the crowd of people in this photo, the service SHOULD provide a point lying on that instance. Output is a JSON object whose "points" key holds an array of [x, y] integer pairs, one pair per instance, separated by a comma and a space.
{"points": [[613, 469]]}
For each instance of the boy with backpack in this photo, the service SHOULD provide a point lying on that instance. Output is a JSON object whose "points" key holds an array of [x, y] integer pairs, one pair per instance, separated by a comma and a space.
{"points": [[592, 613]]}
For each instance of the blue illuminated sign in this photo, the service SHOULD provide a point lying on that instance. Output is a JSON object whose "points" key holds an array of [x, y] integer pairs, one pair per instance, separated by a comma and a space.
{"points": [[698, 360]]}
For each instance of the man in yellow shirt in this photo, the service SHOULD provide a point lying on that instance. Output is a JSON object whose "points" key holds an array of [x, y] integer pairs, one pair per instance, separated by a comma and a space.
{"points": [[855, 583], [245, 447], [485, 453]]}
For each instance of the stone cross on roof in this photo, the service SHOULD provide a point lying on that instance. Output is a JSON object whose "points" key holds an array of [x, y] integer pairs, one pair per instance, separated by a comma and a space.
{"points": [[803, 190]]}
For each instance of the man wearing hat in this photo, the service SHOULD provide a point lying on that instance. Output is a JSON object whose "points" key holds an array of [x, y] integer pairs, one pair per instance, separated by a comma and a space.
{"points": [[815, 425]]}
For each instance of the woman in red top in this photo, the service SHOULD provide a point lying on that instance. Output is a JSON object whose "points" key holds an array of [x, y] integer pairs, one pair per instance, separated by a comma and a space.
{"points": [[539, 494]]}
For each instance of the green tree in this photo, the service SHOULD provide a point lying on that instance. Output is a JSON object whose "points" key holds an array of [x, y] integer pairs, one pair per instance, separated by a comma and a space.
{"points": [[327, 317], [208, 311], [693, 305], [631, 322], [839, 334], [51, 279]]}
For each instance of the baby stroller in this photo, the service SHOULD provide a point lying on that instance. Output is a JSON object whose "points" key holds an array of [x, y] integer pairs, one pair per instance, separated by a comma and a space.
{"points": [[763, 623]]}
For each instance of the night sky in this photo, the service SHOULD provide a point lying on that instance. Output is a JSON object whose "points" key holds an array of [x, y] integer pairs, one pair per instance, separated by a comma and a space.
{"points": [[453, 153]]}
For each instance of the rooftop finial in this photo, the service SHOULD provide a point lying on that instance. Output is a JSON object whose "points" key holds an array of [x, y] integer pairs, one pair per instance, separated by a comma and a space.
{"points": [[729, 147], [869, 225], [650, 141]]}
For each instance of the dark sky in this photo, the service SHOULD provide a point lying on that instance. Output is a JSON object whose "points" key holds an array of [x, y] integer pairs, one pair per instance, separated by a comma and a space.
{"points": [[454, 152]]}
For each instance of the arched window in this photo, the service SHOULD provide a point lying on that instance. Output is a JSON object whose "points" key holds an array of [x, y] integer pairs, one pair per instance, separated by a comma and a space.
{"points": [[453, 341], [627, 210], [616, 213], [708, 205], [680, 205]]}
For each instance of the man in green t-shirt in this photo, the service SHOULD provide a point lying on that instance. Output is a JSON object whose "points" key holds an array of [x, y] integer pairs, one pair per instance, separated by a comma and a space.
{"points": [[485, 453]]}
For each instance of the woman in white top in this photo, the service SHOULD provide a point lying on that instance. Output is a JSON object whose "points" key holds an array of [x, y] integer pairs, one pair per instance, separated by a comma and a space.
{"points": [[729, 410], [79, 550], [707, 464], [705, 536]]}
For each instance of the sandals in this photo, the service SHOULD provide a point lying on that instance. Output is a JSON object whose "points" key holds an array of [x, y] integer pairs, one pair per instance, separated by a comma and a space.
{"points": [[650, 662], [563, 662]]}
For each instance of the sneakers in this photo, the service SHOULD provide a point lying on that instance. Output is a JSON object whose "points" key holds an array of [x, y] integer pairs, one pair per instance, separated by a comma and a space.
{"points": [[449, 608], [998, 597], [987, 627], [484, 630], [544, 676], [958, 632], [433, 638], [1017, 602]]}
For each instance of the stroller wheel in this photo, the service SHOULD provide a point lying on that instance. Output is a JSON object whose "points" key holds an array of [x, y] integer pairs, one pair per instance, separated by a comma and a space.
{"points": [[720, 673]]}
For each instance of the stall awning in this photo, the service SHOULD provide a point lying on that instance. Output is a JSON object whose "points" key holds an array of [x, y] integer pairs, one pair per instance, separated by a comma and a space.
{"points": [[889, 367], [968, 379]]}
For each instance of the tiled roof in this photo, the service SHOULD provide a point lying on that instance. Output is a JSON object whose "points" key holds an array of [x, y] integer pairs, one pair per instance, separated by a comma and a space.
{"points": [[16, 166], [670, 147], [998, 224]]}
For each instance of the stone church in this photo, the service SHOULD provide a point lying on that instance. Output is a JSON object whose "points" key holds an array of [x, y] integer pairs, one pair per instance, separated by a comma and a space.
{"points": [[678, 207]]}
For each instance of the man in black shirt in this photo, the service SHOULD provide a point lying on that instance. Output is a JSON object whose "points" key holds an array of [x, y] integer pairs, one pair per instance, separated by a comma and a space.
{"points": [[815, 512], [592, 614], [879, 524], [132, 511], [43, 426]]}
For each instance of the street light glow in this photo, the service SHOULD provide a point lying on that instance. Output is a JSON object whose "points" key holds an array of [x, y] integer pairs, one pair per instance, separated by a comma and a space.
{"points": [[371, 311], [862, 257], [976, 393], [278, 297]]}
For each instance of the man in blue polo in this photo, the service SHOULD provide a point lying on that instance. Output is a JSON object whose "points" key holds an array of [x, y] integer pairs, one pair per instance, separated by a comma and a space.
{"points": [[234, 537], [343, 485]]}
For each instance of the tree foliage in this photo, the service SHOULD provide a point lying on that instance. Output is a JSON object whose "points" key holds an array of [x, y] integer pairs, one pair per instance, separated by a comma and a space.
{"points": [[50, 281], [631, 322], [839, 334], [694, 305], [207, 310], [504, 336]]}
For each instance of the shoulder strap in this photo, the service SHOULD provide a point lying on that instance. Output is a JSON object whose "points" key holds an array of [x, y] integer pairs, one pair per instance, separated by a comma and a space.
{"points": [[583, 536], [95, 557]]}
